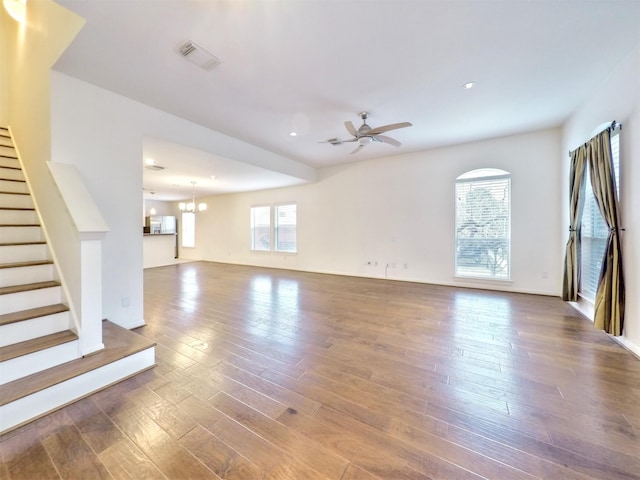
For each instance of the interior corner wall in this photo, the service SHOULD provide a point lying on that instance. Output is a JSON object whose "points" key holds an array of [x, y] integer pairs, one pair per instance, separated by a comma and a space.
{"points": [[398, 213], [618, 98], [102, 134]]}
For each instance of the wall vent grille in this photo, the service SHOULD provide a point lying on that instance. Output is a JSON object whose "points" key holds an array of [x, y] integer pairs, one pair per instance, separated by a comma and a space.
{"points": [[198, 55]]}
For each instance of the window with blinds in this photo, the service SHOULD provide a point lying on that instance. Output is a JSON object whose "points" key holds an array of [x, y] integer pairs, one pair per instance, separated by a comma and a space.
{"points": [[483, 224], [273, 228], [188, 229], [285, 228], [594, 231], [261, 228]]}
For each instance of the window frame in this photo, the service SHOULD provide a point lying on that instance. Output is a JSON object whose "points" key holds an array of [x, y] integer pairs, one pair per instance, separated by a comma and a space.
{"points": [[273, 229], [480, 176], [276, 228], [252, 227], [590, 208], [191, 226]]}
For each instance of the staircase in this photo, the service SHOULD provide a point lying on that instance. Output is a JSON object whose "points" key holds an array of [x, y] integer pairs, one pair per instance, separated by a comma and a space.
{"points": [[41, 368]]}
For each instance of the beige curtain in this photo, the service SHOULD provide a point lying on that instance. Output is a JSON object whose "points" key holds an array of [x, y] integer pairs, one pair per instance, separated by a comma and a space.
{"points": [[576, 188], [610, 295]]}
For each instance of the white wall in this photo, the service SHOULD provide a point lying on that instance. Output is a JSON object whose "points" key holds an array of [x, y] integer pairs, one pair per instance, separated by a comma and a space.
{"points": [[102, 133], [4, 79], [618, 98], [162, 208], [400, 210]]}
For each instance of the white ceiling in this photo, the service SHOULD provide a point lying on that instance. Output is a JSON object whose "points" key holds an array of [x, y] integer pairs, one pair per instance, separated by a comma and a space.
{"points": [[310, 65]]}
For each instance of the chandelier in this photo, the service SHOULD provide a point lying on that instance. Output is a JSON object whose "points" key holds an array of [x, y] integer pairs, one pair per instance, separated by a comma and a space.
{"points": [[191, 206]]}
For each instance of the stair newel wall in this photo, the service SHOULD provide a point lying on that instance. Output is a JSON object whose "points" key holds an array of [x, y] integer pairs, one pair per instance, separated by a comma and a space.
{"points": [[91, 229]]}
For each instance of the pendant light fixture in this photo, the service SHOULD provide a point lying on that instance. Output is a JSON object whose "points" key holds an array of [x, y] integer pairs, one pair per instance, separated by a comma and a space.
{"points": [[191, 206]]}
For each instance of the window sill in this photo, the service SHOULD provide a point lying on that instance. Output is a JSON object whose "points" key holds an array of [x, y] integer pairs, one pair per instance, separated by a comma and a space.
{"points": [[485, 281], [268, 252]]}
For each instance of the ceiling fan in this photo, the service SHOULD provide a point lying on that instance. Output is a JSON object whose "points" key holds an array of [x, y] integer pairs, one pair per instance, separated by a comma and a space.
{"points": [[364, 135]]}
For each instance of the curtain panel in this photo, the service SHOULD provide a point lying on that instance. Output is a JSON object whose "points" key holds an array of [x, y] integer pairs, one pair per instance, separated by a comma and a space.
{"points": [[610, 294], [576, 198]]}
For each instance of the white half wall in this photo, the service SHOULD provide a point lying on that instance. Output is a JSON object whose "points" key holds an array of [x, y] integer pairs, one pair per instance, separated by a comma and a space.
{"points": [[400, 210], [618, 98]]}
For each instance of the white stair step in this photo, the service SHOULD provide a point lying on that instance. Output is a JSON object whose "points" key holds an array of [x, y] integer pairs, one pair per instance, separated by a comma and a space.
{"points": [[33, 328], [48, 400], [11, 174], [46, 293], [23, 273], [15, 200], [20, 233], [18, 217], [24, 252], [6, 149], [9, 162], [31, 363], [13, 186], [125, 354]]}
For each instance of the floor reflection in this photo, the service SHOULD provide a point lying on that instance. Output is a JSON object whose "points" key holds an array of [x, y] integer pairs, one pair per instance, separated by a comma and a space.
{"points": [[273, 305]]}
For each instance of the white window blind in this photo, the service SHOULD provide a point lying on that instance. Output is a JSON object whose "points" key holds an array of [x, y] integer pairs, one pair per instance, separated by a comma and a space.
{"points": [[483, 224], [261, 228], [594, 231], [285, 228], [188, 229]]}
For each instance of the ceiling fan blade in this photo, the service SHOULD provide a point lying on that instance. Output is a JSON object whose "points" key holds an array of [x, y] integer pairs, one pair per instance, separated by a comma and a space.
{"points": [[358, 148], [338, 141], [350, 128], [389, 140], [386, 128]]}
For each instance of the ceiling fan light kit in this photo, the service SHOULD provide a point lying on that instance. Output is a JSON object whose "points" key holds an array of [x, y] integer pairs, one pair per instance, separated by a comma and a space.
{"points": [[365, 135]]}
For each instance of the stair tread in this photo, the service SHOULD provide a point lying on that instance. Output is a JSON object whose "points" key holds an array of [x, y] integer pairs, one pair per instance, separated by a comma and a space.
{"points": [[118, 342], [35, 345], [28, 287], [4, 192], [26, 264], [17, 208], [18, 224], [12, 179], [13, 244], [31, 313]]}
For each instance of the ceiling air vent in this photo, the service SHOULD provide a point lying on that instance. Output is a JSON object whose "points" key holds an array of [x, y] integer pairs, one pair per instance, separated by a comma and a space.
{"points": [[198, 55]]}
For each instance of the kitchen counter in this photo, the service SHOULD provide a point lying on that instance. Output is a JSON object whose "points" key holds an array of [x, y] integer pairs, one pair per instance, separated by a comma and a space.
{"points": [[159, 249]]}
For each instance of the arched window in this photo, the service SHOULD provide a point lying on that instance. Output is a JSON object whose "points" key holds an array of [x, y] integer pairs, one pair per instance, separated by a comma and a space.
{"points": [[483, 224]]}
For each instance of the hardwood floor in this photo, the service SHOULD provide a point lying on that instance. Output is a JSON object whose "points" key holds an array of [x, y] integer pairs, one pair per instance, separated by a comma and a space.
{"points": [[285, 375]]}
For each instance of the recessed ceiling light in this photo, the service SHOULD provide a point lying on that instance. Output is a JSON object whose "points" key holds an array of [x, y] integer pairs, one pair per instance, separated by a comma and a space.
{"points": [[293, 134], [212, 177], [150, 161], [469, 85]]}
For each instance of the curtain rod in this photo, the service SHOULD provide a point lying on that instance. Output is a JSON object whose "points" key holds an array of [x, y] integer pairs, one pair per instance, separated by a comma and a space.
{"points": [[614, 125]]}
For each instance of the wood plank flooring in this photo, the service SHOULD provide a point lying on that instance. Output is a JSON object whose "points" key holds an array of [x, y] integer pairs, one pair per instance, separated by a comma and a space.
{"points": [[273, 374]]}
